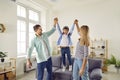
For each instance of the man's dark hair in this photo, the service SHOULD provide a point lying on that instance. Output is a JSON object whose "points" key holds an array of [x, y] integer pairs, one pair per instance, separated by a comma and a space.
{"points": [[35, 27], [66, 27]]}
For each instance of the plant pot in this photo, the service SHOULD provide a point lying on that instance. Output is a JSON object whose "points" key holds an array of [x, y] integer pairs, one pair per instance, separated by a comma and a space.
{"points": [[2, 59], [118, 67]]}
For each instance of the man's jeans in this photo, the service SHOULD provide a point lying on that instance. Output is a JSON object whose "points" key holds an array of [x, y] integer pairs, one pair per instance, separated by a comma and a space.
{"points": [[41, 66]]}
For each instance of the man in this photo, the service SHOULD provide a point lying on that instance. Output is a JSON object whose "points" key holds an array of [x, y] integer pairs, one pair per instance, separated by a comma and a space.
{"points": [[43, 55]]}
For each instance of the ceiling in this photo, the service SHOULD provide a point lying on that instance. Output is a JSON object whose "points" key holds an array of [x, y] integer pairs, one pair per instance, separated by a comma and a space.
{"points": [[62, 4]]}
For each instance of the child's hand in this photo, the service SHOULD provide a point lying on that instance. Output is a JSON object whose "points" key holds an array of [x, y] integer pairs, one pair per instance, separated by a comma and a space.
{"points": [[55, 21], [76, 21]]}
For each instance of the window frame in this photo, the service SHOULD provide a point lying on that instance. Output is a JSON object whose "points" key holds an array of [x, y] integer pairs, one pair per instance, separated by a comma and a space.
{"points": [[27, 20]]}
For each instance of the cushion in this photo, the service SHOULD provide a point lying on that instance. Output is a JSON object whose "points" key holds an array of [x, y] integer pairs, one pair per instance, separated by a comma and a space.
{"points": [[96, 74], [94, 63], [54, 69], [56, 61]]}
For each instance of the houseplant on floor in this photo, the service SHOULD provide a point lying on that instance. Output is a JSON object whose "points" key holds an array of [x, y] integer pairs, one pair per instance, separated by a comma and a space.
{"points": [[113, 61], [2, 55]]}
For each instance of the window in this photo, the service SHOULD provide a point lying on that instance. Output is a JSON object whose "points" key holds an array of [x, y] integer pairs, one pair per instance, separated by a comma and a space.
{"points": [[27, 18], [33, 15], [31, 32], [21, 36], [21, 11]]}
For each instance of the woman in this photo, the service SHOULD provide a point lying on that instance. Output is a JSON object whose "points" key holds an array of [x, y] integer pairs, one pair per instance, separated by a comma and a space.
{"points": [[80, 67]]}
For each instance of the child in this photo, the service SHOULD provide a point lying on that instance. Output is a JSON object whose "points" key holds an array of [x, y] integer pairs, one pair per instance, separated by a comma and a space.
{"points": [[80, 67], [43, 55], [65, 42]]}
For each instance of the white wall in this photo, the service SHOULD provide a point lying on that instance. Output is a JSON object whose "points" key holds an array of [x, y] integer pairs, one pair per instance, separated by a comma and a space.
{"points": [[8, 39], [102, 16]]}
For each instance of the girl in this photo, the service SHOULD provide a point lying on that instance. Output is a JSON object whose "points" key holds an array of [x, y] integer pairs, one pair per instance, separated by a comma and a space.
{"points": [[80, 68]]}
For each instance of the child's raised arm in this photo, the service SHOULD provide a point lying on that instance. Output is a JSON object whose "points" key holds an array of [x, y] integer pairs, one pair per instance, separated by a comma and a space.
{"points": [[58, 27]]}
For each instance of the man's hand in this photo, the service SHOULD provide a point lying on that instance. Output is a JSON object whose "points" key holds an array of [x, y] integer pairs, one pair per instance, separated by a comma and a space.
{"points": [[29, 64], [55, 21], [76, 21]]}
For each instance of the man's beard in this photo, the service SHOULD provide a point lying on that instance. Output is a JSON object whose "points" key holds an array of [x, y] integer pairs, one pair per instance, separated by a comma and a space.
{"points": [[40, 33]]}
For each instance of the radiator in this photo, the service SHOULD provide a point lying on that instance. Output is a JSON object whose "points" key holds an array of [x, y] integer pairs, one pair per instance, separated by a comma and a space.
{"points": [[34, 65]]}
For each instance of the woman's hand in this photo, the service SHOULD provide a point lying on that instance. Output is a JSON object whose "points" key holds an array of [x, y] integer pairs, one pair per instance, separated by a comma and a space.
{"points": [[81, 72], [77, 25]]}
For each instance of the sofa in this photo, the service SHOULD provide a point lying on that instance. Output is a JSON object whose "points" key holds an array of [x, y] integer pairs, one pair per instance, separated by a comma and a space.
{"points": [[95, 71]]}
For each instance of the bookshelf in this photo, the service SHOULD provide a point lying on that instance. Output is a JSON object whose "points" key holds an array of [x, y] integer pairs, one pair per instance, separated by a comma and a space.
{"points": [[99, 50]]}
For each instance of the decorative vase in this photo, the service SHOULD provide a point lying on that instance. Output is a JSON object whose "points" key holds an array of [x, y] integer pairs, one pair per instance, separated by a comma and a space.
{"points": [[103, 47], [2, 59]]}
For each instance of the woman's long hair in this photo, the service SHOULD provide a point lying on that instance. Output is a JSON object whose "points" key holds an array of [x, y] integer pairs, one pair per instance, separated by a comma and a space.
{"points": [[84, 40]]}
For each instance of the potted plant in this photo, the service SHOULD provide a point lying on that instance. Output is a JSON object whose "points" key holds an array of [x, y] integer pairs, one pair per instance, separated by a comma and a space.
{"points": [[2, 55], [113, 61], [117, 64]]}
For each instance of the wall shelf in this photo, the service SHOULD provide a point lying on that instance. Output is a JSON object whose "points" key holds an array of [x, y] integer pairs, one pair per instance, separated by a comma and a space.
{"points": [[99, 50]]}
